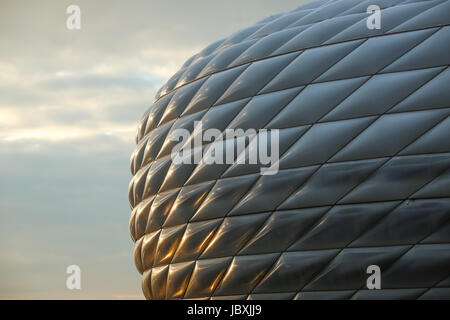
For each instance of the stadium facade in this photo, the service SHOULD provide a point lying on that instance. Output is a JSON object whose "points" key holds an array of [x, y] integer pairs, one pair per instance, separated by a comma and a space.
{"points": [[364, 157]]}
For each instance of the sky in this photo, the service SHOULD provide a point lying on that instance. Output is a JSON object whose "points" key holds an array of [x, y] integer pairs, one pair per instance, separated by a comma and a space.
{"points": [[70, 101]]}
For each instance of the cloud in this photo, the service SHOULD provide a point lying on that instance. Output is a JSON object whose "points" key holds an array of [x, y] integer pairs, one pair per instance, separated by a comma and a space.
{"points": [[66, 203], [100, 81]]}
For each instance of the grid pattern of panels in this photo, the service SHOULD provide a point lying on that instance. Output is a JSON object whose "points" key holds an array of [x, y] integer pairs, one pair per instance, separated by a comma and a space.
{"points": [[364, 161]]}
